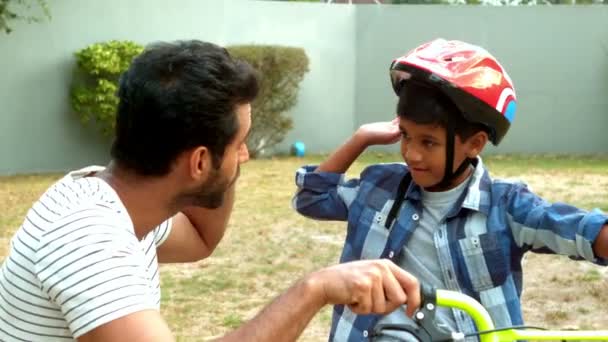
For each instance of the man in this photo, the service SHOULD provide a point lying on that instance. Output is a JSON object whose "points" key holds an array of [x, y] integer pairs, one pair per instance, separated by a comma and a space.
{"points": [[84, 264]]}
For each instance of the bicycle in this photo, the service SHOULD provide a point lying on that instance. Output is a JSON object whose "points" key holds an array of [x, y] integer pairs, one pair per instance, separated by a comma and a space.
{"points": [[425, 329]]}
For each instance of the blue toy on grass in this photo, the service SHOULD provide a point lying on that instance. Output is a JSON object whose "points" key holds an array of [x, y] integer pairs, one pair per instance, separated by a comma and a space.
{"points": [[298, 149]]}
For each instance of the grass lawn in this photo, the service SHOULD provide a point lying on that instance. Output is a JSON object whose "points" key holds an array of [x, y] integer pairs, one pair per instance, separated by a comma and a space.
{"points": [[268, 246]]}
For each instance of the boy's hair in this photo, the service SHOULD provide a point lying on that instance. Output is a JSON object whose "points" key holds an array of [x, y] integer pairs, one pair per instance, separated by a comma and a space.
{"points": [[176, 96], [425, 105]]}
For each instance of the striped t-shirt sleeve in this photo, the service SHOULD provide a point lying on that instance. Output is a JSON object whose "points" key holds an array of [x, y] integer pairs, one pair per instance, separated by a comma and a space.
{"points": [[93, 267], [161, 233]]}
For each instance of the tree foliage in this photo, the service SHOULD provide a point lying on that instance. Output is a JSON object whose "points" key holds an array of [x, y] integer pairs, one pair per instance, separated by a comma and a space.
{"points": [[99, 66], [281, 70], [15, 10]]}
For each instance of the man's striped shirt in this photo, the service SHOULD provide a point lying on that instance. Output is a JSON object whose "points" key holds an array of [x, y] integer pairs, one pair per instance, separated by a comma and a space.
{"points": [[76, 264]]}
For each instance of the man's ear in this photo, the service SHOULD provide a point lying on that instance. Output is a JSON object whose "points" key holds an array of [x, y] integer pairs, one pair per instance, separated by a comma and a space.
{"points": [[476, 143], [200, 162]]}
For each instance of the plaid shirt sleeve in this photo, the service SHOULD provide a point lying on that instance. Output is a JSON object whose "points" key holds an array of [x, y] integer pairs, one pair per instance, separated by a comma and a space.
{"points": [[554, 227], [323, 195]]}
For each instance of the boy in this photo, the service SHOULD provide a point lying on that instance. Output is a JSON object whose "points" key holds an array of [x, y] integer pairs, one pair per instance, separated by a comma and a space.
{"points": [[440, 216]]}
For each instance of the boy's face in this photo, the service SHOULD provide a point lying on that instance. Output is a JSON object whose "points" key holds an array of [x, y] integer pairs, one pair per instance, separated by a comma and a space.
{"points": [[423, 148]]}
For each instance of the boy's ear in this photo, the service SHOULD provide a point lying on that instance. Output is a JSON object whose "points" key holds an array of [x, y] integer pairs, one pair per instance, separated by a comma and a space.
{"points": [[476, 143]]}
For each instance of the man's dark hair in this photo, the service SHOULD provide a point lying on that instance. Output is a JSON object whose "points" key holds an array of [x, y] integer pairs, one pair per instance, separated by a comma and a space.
{"points": [[177, 96], [426, 105]]}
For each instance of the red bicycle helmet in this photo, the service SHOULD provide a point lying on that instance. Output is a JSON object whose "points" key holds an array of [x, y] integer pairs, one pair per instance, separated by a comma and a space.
{"points": [[471, 77]]}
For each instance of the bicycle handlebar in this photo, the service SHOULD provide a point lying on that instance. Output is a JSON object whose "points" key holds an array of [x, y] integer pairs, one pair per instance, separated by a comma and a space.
{"points": [[425, 328]]}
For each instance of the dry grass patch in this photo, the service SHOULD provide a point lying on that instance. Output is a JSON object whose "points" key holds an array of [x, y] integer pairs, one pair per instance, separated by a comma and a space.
{"points": [[268, 246]]}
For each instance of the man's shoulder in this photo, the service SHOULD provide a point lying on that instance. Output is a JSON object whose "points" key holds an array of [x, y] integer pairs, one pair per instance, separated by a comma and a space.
{"points": [[76, 201], [81, 188]]}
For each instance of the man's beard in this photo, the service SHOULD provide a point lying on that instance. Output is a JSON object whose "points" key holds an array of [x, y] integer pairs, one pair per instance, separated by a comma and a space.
{"points": [[211, 194]]}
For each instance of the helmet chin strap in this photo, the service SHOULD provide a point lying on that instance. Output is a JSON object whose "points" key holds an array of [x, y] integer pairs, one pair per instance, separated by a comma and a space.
{"points": [[450, 175]]}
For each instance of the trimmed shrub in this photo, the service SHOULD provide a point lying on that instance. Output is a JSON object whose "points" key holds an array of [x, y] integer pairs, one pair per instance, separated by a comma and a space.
{"points": [[281, 70], [99, 67]]}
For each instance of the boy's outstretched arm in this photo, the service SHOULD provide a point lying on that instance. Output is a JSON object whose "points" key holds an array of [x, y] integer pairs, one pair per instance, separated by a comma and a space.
{"points": [[377, 133], [559, 227], [600, 246]]}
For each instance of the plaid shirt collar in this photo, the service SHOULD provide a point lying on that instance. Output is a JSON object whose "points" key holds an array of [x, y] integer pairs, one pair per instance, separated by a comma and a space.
{"points": [[479, 183]]}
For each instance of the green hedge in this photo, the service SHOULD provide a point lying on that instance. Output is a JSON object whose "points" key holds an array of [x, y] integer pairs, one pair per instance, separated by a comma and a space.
{"points": [[98, 68], [281, 70]]}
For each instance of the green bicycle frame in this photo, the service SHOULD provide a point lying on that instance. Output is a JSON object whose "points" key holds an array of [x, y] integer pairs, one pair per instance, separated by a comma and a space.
{"points": [[484, 322]]}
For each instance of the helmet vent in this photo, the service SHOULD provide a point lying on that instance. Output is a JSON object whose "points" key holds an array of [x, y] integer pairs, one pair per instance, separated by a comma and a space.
{"points": [[454, 59]]}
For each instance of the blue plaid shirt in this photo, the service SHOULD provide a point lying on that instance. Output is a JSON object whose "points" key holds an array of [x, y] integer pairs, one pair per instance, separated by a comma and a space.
{"points": [[480, 243]]}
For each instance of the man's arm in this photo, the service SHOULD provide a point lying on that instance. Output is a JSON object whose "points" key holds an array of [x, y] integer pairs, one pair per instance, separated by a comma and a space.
{"points": [[365, 286], [196, 232], [141, 326], [600, 246], [369, 286]]}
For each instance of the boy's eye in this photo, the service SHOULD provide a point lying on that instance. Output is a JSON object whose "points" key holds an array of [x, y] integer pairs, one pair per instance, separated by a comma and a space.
{"points": [[428, 143]]}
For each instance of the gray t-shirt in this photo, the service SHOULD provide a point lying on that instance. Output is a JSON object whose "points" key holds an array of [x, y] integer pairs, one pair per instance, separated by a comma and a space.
{"points": [[419, 257]]}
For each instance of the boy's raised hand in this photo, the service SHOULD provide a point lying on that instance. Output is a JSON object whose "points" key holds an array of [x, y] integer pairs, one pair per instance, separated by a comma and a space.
{"points": [[379, 133]]}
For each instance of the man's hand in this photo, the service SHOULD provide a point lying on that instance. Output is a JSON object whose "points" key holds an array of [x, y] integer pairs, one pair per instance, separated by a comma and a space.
{"points": [[369, 286], [379, 133]]}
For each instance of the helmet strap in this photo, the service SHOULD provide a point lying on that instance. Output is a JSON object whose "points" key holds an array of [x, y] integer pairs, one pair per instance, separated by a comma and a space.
{"points": [[450, 175]]}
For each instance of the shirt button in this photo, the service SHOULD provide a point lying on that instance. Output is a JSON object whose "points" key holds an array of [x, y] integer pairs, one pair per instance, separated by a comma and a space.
{"points": [[365, 333], [415, 217], [391, 254], [379, 218]]}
